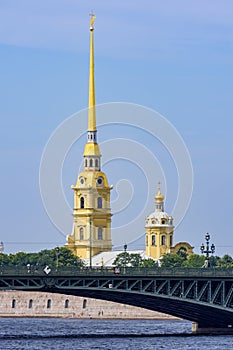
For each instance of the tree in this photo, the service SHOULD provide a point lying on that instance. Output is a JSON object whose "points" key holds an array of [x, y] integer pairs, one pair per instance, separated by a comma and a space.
{"points": [[67, 258], [172, 260], [56, 257], [122, 259], [128, 260], [225, 262], [149, 263], [4, 260], [194, 261]]}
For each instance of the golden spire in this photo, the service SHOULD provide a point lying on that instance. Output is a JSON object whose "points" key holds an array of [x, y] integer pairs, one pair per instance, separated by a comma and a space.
{"points": [[92, 147], [91, 102]]}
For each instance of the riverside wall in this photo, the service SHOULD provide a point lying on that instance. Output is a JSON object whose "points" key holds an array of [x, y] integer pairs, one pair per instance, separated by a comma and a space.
{"points": [[36, 304]]}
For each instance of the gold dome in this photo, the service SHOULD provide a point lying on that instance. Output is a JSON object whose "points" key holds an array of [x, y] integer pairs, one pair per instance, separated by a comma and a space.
{"points": [[159, 197]]}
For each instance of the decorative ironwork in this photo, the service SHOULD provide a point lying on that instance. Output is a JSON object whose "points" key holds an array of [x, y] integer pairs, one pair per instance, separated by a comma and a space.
{"points": [[207, 250], [49, 282]]}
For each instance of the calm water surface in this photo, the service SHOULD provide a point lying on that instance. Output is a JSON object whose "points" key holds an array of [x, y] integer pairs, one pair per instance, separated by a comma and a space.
{"points": [[76, 334]]}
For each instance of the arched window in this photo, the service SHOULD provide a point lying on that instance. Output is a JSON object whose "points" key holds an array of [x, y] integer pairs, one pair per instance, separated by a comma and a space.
{"points": [[91, 163], [81, 202], [163, 240], [30, 303], [13, 303], [163, 221], [81, 234], [100, 233], [49, 304], [153, 240], [84, 303], [171, 241], [66, 303], [99, 202], [85, 162]]}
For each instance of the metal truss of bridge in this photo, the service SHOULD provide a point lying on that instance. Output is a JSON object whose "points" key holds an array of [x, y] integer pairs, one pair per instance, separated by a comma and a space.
{"points": [[203, 296]]}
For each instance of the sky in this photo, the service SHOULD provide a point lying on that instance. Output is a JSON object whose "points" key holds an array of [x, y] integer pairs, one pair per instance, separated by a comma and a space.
{"points": [[172, 56]]}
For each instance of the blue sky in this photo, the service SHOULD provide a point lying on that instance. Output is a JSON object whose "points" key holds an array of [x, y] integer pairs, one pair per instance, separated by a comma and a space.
{"points": [[173, 56]]}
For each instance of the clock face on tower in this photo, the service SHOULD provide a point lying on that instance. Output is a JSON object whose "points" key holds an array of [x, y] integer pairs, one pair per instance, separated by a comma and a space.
{"points": [[100, 181], [82, 181]]}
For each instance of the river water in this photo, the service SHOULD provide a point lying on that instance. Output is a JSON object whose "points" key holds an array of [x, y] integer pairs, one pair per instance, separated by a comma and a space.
{"points": [[76, 334]]}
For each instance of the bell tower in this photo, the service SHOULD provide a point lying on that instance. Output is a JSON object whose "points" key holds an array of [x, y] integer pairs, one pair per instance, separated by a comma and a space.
{"points": [[159, 229], [92, 214]]}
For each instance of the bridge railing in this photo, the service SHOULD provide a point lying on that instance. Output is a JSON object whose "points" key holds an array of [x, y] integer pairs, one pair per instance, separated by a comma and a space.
{"points": [[128, 271]]}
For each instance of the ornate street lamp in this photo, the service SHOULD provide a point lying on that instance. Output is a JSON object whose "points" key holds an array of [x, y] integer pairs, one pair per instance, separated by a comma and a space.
{"points": [[125, 248], [1, 252], [207, 250]]}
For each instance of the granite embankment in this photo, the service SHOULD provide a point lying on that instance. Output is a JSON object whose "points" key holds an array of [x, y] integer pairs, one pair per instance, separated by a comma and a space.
{"points": [[36, 304]]}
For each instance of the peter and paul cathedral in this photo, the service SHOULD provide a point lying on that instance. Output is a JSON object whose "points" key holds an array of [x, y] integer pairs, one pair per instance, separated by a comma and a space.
{"points": [[91, 234], [92, 213]]}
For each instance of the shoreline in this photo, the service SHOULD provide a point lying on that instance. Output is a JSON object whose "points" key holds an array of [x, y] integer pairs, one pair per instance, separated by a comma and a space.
{"points": [[168, 318]]}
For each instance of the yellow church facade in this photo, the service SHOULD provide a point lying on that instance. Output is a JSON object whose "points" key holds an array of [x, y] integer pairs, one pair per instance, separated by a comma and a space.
{"points": [[160, 231], [92, 214]]}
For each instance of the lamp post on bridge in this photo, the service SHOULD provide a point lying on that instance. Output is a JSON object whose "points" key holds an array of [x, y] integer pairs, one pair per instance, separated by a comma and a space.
{"points": [[125, 249], [125, 253], [1, 252], [207, 250]]}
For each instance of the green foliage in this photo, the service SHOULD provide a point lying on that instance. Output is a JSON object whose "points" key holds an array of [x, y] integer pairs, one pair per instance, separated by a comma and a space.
{"points": [[135, 260], [182, 252], [126, 259], [194, 261], [122, 259], [214, 261], [224, 262], [63, 257], [172, 260], [149, 263], [56, 257]]}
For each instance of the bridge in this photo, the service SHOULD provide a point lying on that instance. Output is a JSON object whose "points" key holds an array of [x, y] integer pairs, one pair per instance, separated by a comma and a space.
{"points": [[203, 296]]}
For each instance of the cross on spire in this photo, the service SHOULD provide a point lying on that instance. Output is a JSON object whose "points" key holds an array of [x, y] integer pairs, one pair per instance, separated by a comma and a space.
{"points": [[159, 189]]}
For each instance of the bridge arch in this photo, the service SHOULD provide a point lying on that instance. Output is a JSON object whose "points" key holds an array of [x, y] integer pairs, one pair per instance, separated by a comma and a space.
{"points": [[203, 297]]}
